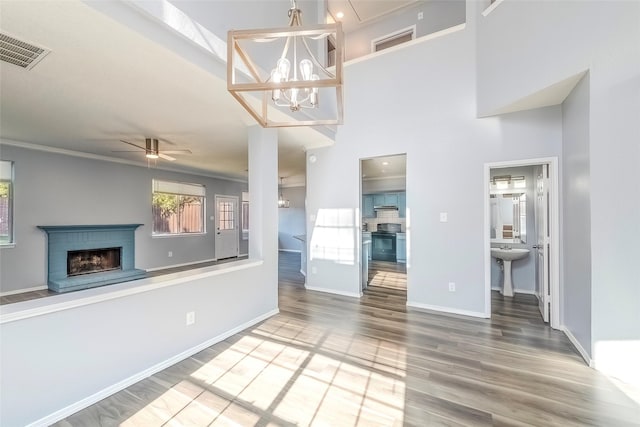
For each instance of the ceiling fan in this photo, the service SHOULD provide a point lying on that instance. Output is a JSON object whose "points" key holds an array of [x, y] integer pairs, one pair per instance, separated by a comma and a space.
{"points": [[152, 150]]}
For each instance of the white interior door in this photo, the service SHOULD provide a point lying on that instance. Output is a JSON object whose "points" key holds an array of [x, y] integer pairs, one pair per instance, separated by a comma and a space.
{"points": [[226, 241], [542, 240]]}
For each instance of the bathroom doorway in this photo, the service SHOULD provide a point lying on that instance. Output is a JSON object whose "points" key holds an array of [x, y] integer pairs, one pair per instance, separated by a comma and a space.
{"points": [[522, 235], [383, 205]]}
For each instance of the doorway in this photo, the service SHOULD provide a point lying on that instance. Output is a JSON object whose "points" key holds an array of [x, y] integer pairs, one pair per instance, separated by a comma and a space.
{"points": [[529, 224], [227, 235], [384, 225]]}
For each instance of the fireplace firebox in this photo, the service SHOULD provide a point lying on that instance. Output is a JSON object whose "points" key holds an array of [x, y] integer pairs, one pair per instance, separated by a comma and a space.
{"points": [[89, 261], [86, 256]]}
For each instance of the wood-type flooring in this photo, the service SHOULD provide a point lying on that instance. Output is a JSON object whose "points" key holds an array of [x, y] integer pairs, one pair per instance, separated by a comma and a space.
{"points": [[329, 360]]}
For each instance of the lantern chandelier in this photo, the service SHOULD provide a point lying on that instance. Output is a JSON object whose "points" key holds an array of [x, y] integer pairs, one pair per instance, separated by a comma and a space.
{"points": [[297, 80]]}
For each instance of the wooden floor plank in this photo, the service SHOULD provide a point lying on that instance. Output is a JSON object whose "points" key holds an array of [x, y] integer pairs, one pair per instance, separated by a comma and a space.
{"points": [[339, 361]]}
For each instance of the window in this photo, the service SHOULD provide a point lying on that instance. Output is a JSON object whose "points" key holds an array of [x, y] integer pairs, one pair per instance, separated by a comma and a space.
{"points": [[178, 208], [6, 202], [394, 39], [226, 216]]}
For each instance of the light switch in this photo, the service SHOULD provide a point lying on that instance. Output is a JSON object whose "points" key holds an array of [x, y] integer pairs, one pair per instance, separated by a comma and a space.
{"points": [[444, 217]]}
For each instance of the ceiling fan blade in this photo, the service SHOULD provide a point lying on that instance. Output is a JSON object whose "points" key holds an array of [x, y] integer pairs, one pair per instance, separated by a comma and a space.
{"points": [[177, 151], [125, 151], [164, 156], [131, 143]]}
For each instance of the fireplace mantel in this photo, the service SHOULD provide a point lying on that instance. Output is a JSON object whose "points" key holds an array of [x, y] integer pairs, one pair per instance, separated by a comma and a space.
{"points": [[65, 238]]}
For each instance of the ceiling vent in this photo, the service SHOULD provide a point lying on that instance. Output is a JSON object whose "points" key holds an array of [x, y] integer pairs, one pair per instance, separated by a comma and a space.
{"points": [[20, 53]]}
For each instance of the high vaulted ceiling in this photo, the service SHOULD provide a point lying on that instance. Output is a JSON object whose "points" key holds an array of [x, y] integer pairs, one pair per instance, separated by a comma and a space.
{"points": [[106, 80]]}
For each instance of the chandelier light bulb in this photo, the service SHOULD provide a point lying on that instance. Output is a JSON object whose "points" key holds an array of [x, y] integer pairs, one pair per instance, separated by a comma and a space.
{"points": [[283, 65], [306, 69]]}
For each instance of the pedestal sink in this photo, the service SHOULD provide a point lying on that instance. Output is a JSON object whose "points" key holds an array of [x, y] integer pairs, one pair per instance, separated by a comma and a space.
{"points": [[508, 255]]}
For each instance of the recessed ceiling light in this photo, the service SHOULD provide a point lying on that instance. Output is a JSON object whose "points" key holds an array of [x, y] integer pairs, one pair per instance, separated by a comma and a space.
{"points": [[340, 15], [385, 163]]}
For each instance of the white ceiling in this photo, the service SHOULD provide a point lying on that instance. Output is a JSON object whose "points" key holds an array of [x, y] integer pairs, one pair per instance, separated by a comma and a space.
{"points": [[103, 82], [361, 12], [384, 167]]}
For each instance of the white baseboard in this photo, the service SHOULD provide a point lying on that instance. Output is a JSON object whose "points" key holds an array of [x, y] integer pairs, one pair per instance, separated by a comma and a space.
{"points": [[96, 397], [180, 265], [333, 291], [290, 250], [21, 291], [448, 310], [517, 291], [578, 346]]}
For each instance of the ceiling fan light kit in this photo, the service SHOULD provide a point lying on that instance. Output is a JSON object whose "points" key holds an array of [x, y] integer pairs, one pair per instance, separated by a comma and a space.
{"points": [[152, 148]]}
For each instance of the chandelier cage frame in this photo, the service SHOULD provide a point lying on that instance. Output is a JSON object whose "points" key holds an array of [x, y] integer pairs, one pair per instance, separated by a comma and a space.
{"points": [[254, 82]]}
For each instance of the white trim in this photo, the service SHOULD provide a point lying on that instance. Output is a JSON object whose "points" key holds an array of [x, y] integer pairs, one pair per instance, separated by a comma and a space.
{"points": [[63, 151], [517, 291], [491, 7], [554, 227], [333, 291], [304, 273], [180, 265], [241, 255], [391, 36], [21, 291], [448, 310], [578, 346], [121, 385], [40, 306], [290, 250]]}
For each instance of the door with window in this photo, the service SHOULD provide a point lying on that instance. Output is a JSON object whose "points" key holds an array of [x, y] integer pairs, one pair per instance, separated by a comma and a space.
{"points": [[227, 233]]}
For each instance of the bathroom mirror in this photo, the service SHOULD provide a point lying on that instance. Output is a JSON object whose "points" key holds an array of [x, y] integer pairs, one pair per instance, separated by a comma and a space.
{"points": [[508, 218]]}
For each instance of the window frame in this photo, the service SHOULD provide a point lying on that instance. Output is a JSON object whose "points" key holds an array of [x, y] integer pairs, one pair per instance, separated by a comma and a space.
{"points": [[11, 242], [203, 203]]}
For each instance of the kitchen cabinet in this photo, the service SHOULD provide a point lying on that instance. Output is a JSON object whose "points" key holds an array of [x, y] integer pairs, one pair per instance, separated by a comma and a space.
{"points": [[367, 206], [398, 199], [391, 199], [401, 247], [402, 205]]}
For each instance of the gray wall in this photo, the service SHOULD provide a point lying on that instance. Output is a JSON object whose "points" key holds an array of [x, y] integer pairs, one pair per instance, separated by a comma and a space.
{"points": [[56, 189], [438, 15], [576, 215], [522, 271], [291, 221], [447, 148]]}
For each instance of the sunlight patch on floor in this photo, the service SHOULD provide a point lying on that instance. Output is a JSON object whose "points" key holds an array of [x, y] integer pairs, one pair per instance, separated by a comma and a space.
{"points": [[288, 373]]}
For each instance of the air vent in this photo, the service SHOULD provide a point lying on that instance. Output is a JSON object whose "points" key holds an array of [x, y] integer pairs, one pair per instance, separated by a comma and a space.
{"points": [[20, 53]]}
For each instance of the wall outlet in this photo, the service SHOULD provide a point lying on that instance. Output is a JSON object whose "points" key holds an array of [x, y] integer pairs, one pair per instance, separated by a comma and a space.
{"points": [[191, 318], [170, 254], [452, 287], [420, 15], [444, 217]]}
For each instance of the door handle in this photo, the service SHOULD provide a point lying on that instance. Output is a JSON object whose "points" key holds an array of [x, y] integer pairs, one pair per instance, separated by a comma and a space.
{"points": [[537, 247]]}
